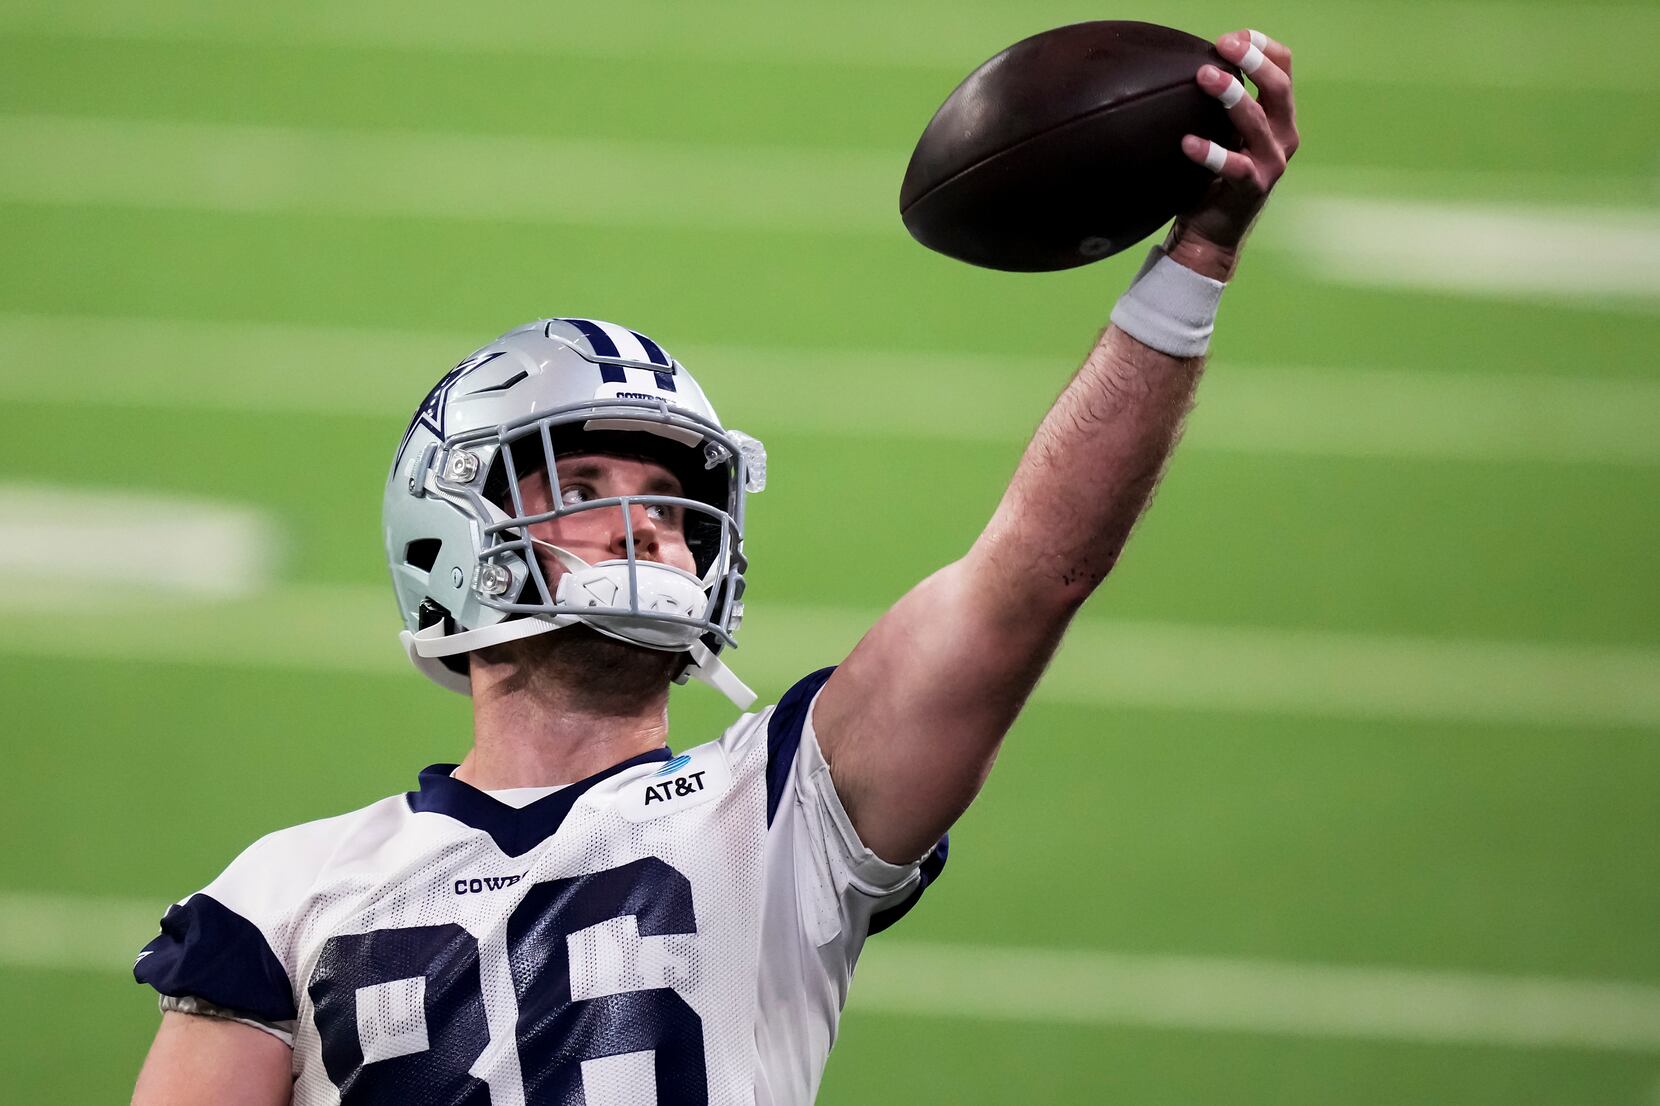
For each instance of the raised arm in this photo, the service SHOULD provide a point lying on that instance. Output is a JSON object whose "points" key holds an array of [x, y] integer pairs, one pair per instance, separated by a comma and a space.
{"points": [[912, 720]]}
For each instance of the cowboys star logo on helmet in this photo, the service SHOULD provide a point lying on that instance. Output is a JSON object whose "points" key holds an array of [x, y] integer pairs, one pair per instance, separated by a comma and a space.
{"points": [[457, 531]]}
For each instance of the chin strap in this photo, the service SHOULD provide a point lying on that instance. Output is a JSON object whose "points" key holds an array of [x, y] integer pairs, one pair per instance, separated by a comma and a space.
{"points": [[433, 642], [426, 646], [708, 668]]}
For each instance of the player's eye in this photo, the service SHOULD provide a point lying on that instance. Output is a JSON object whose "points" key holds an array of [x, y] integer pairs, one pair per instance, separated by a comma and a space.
{"points": [[572, 494], [664, 512]]}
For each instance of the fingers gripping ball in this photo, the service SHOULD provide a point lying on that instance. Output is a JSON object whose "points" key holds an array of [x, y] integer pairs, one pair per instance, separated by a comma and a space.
{"points": [[1263, 111], [1266, 125]]}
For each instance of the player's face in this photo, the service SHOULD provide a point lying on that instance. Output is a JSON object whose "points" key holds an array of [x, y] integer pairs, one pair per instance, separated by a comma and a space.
{"points": [[599, 534]]}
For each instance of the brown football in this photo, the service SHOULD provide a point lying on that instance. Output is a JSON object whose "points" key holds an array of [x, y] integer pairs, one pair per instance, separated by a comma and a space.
{"points": [[1065, 148]]}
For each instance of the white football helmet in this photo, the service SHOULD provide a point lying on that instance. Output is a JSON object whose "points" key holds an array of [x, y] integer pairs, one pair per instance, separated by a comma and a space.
{"points": [[457, 531]]}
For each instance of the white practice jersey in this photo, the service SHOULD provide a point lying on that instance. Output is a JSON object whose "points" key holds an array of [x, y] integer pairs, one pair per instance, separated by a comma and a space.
{"points": [[674, 930]]}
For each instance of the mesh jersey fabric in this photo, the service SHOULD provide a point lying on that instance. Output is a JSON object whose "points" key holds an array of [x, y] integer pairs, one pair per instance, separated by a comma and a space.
{"points": [[669, 931]]}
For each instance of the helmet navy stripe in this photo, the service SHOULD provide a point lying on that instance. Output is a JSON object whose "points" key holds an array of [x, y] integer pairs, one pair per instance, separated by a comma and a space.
{"points": [[653, 350], [597, 338], [665, 377], [627, 343], [603, 346]]}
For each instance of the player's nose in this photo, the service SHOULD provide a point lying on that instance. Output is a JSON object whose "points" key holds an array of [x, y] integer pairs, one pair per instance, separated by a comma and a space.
{"points": [[647, 538]]}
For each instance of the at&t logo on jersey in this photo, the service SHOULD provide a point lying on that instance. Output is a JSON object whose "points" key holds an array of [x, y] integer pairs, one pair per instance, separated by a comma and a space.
{"points": [[679, 787], [688, 780]]}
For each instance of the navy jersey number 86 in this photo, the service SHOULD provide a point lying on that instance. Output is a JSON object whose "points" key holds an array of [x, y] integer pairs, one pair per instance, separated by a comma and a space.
{"points": [[555, 1035]]}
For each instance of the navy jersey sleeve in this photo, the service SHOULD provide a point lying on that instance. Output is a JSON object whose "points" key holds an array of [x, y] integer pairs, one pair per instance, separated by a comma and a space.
{"points": [[220, 947], [207, 950]]}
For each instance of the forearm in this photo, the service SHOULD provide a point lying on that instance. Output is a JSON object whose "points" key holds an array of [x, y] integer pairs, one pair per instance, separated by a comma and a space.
{"points": [[1088, 475]]}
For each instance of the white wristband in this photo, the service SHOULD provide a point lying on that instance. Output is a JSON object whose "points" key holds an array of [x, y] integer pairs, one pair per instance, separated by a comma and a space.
{"points": [[1169, 307]]}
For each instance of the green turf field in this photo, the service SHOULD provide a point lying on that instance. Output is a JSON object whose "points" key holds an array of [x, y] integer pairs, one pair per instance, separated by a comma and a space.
{"points": [[1345, 789]]}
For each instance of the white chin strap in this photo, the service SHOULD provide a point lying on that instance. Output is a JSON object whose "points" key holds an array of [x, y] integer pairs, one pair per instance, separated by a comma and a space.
{"points": [[660, 589]]}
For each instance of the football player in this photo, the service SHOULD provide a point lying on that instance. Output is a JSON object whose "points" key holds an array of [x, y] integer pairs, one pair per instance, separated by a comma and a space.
{"points": [[574, 913]]}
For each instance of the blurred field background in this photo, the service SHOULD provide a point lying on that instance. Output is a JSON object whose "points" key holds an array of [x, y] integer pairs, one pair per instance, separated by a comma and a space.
{"points": [[1344, 789]]}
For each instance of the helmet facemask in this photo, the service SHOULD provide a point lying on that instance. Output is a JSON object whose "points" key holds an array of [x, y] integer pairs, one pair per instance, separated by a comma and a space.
{"points": [[631, 597], [470, 557]]}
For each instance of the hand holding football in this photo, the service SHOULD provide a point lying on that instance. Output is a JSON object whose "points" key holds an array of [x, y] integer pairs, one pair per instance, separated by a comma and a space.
{"points": [[1066, 147]]}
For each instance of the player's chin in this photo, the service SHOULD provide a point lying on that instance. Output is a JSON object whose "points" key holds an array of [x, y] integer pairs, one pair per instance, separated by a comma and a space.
{"points": [[586, 669]]}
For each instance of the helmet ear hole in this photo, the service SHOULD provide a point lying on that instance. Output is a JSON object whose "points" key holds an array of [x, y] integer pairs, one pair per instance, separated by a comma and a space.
{"points": [[422, 553]]}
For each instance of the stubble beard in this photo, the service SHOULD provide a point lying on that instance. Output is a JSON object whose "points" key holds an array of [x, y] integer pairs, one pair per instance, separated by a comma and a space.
{"points": [[585, 671]]}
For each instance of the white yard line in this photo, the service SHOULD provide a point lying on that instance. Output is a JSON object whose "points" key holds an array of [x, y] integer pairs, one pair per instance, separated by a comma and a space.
{"points": [[1255, 670], [1299, 1000], [1103, 665], [1324, 411], [1611, 256], [1601, 256], [1537, 186], [54, 538], [1479, 45], [47, 932], [1554, 253], [265, 169], [74, 933]]}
